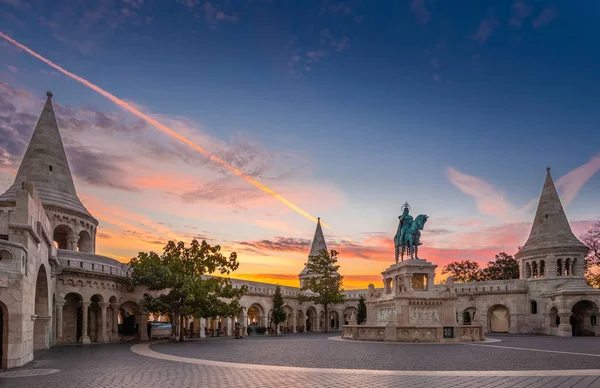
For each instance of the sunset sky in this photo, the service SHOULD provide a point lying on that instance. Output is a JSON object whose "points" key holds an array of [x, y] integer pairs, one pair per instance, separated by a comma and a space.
{"points": [[347, 109]]}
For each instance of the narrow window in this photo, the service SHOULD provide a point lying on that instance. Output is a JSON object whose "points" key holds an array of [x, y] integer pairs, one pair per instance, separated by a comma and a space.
{"points": [[50, 167], [533, 307]]}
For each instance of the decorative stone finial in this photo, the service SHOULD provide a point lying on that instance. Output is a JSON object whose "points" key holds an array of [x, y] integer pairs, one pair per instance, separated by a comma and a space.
{"points": [[319, 219], [548, 169], [49, 94]]}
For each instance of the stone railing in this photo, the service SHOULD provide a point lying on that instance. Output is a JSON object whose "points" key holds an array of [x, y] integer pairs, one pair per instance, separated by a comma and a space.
{"points": [[502, 286], [90, 262]]}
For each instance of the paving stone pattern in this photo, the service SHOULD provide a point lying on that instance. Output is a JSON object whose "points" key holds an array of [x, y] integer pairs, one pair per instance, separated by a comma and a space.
{"points": [[114, 366]]}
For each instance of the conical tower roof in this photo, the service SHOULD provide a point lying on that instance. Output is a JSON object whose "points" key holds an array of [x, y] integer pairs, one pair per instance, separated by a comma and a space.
{"points": [[318, 244], [550, 227], [45, 165]]}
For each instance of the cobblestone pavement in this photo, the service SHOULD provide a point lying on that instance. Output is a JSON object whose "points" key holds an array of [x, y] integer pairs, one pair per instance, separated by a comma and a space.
{"points": [[490, 365]]}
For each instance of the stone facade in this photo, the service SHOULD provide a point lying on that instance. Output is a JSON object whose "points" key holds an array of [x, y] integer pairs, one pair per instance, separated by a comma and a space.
{"points": [[55, 289]]}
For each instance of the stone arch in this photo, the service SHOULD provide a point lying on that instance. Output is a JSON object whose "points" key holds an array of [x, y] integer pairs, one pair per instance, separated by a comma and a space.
{"points": [[567, 269], [85, 242], [72, 319], [333, 320], [311, 319], [256, 315], [41, 324], [468, 315], [581, 318], [62, 236], [499, 319], [347, 312], [127, 320], [3, 336], [559, 267]]}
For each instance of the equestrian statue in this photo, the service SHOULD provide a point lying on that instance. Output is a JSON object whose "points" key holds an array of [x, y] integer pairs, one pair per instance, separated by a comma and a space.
{"points": [[409, 233]]}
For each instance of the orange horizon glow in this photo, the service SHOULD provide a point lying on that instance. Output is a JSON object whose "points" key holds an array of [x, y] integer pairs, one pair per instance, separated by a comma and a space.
{"points": [[165, 129]]}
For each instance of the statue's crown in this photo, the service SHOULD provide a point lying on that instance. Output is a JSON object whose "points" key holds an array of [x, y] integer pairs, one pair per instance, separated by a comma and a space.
{"points": [[405, 206]]}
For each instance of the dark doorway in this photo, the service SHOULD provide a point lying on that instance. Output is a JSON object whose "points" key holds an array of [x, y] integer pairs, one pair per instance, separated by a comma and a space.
{"points": [[581, 321], [128, 325]]}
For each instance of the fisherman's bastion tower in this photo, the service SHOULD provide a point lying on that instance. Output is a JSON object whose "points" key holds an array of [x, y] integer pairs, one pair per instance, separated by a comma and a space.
{"points": [[54, 288]]}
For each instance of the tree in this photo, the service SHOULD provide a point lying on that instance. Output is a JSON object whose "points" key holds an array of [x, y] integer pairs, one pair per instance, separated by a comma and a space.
{"points": [[504, 267], [181, 274], [362, 310], [591, 239], [324, 282], [279, 315], [463, 271]]}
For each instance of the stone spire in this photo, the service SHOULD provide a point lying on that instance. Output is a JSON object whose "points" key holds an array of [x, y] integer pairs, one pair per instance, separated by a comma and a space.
{"points": [[45, 165], [550, 227], [318, 243]]}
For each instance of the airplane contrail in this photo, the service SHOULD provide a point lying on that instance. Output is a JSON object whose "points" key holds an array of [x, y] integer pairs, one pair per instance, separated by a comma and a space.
{"points": [[163, 128]]}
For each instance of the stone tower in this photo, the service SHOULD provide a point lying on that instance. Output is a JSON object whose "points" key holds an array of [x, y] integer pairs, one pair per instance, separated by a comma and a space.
{"points": [[552, 251], [45, 165], [318, 244]]}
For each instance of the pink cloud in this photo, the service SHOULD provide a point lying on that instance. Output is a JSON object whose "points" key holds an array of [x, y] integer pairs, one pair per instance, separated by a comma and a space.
{"points": [[485, 30], [570, 184], [544, 18]]}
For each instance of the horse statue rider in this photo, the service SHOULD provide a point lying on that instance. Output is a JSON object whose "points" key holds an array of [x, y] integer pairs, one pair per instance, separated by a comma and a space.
{"points": [[409, 233]]}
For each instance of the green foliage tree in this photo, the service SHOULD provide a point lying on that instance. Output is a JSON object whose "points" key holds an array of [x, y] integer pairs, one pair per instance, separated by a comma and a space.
{"points": [[279, 315], [362, 310], [324, 281], [179, 281], [503, 267], [591, 239], [464, 271]]}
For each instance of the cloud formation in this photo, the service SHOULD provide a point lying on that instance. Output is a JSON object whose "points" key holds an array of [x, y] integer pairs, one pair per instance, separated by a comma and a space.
{"points": [[544, 18], [420, 11], [485, 30]]}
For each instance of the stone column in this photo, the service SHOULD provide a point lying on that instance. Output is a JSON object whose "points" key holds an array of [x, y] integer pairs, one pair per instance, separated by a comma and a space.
{"points": [[59, 321], [103, 337], [229, 322], [115, 322], [564, 329], [317, 322], [72, 242], [294, 323], [85, 339], [202, 326], [142, 324]]}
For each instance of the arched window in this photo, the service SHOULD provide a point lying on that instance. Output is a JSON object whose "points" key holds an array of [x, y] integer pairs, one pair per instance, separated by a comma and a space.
{"points": [[533, 307], [568, 267], [534, 270], [573, 265], [559, 267], [542, 268], [527, 270], [593, 320]]}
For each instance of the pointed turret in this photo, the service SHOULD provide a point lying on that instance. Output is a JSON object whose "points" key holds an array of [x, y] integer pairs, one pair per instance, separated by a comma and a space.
{"points": [[318, 244], [45, 165], [550, 227]]}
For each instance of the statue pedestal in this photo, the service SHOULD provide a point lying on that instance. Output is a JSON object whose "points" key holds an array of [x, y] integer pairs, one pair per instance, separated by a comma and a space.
{"points": [[410, 309]]}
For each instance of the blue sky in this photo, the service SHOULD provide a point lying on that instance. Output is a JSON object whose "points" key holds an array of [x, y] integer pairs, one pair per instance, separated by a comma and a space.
{"points": [[365, 105]]}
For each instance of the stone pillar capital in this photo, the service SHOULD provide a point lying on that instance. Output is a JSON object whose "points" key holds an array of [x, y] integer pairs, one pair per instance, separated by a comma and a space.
{"points": [[86, 303], [60, 303], [104, 305], [114, 305]]}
